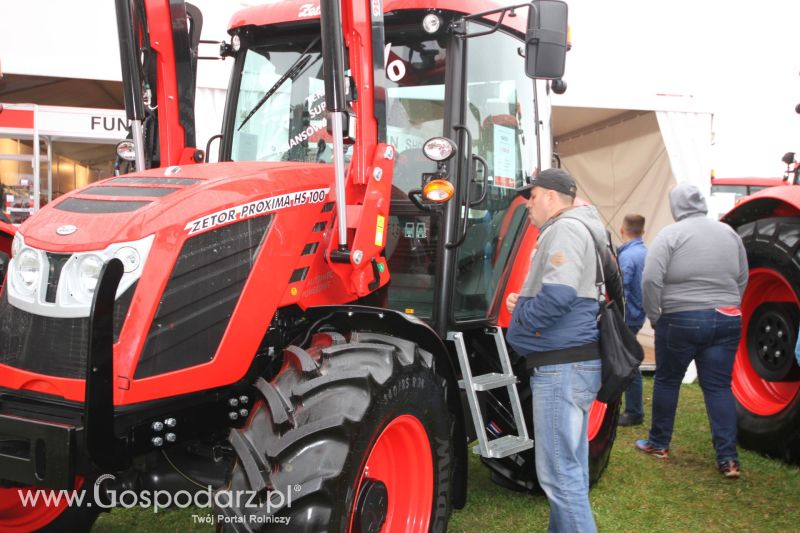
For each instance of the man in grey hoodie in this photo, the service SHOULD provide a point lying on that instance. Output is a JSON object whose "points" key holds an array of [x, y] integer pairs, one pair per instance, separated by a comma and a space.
{"points": [[694, 278], [554, 326]]}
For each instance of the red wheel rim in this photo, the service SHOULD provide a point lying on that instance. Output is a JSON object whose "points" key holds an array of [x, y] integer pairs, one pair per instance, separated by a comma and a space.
{"points": [[761, 397], [15, 516], [401, 459], [596, 416]]}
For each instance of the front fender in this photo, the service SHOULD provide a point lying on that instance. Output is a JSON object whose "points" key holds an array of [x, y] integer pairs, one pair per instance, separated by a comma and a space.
{"points": [[397, 324]]}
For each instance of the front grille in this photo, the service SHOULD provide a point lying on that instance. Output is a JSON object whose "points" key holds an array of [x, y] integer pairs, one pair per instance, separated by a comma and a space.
{"points": [[48, 345], [200, 297]]}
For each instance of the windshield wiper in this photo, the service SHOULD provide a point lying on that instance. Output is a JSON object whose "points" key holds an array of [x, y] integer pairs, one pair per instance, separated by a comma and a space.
{"points": [[291, 72]]}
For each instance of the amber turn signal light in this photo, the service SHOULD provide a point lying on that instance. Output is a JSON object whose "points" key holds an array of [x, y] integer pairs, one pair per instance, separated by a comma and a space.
{"points": [[438, 191]]}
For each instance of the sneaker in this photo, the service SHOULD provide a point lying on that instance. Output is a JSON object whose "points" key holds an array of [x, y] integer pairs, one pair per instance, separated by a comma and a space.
{"points": [[625, 420], [643, 445], [730, 469]]}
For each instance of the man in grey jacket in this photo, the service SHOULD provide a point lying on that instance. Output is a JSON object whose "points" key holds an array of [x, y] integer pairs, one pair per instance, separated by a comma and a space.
{"points": [[694, 278], [554, 326]]}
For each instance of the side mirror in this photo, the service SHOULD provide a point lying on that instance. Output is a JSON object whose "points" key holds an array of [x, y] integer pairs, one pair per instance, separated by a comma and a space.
{"points": [[546, 39]]}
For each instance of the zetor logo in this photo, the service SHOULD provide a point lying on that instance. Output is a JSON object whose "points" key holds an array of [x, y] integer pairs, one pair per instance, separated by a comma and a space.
{"points": [[255, 208], [308, 10]]}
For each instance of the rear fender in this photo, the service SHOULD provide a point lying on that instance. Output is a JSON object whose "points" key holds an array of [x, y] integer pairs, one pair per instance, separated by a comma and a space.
{"points": [[782, 201]]}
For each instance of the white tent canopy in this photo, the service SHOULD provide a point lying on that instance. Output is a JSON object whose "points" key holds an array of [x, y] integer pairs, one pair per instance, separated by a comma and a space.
{"points": [[627, 160]]}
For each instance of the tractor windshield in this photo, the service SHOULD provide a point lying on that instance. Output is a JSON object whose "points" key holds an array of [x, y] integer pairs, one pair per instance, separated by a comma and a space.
{"points": [[280, 104]]}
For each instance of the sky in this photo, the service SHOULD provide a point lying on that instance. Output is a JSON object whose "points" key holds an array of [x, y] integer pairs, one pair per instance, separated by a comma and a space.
{"points": [[739, 60]]}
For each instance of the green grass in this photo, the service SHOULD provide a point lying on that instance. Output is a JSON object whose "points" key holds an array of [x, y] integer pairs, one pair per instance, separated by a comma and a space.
{"points": [[637, 493]]}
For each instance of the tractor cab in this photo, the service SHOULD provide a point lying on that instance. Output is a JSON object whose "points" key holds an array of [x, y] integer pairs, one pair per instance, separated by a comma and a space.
{"points": [[437, 75]]}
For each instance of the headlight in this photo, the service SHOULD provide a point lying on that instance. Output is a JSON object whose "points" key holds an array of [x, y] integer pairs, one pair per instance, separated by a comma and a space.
{"points": [[126, 150], [89, 267], [439, 149], [28, 269], [129, 257], [35, 286]]}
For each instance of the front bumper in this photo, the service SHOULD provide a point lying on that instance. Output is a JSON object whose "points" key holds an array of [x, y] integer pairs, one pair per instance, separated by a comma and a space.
{"points": [[35, 452]]}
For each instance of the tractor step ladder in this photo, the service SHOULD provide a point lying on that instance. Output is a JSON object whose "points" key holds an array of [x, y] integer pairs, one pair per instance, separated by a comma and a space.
{"points": [[509, 444]]}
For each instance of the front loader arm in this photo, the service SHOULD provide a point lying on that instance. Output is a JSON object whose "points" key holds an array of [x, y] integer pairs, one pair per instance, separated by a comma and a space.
{"points": [[158, 50], [354, 29]]}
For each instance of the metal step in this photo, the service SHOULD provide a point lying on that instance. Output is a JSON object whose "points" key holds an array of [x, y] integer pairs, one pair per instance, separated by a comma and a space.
{"points": [[491, 381], [504, 446], [509, 444]]}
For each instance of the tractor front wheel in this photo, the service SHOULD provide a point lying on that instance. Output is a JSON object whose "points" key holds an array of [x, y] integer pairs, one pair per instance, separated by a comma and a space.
{"points": [[18, 514], [350, 436], [766, 378]]}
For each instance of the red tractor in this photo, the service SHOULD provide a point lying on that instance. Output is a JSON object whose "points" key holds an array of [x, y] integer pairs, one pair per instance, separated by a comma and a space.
{"points": [[234, 326], [766, 376]]}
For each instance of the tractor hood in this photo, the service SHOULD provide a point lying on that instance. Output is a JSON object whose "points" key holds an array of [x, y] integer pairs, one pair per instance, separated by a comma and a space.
{"points": [[178, 201]]}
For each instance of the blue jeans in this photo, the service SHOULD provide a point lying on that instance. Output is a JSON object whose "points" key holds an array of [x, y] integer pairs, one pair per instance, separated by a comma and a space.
{"points": [[710, 338], [634, 406], [562, 397]]}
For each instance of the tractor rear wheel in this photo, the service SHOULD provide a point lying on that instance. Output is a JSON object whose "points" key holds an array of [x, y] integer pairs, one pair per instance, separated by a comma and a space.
{"points": [[350, 436], [518, 472], [766, 378], [16, 516]]}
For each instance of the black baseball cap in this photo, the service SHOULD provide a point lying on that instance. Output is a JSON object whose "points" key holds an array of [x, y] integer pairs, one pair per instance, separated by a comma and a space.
{"points": [[555, 179]]}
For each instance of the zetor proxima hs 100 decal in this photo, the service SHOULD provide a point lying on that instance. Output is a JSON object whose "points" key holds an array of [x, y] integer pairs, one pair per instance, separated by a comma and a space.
{"points": [[300, 313], [255, 208]]}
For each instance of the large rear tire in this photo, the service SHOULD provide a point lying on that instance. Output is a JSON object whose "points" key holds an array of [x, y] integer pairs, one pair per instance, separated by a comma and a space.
{"points": [[349, 436], [766, 379], [518, 472]]}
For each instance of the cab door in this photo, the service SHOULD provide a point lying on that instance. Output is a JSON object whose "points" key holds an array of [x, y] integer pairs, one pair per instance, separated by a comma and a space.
{"points": [[499, 124]]}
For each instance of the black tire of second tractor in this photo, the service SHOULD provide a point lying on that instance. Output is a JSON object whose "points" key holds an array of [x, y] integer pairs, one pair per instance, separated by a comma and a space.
{"points": [[773, 244], [315, 422]]}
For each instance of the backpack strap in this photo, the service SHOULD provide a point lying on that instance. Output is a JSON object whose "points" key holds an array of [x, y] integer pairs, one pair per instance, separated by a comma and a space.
{"points": [[599, 276]]}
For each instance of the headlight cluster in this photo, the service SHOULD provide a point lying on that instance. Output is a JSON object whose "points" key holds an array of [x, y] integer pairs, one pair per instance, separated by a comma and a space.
{"points": [[30, 272]]}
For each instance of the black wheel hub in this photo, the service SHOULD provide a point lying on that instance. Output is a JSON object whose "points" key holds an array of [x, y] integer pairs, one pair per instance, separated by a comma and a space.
{"points": [[771, 337], [371, 507]]}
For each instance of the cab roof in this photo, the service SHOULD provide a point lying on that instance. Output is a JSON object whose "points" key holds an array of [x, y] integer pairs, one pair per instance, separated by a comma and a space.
{"points": [[282, 11]]}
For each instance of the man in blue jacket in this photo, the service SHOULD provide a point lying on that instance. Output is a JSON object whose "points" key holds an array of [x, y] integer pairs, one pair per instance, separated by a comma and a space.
{"points": [[554, 326], [631, 257]]}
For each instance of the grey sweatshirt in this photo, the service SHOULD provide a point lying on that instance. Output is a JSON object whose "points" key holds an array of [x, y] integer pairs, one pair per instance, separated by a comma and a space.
{"points": [[695, 263]]}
